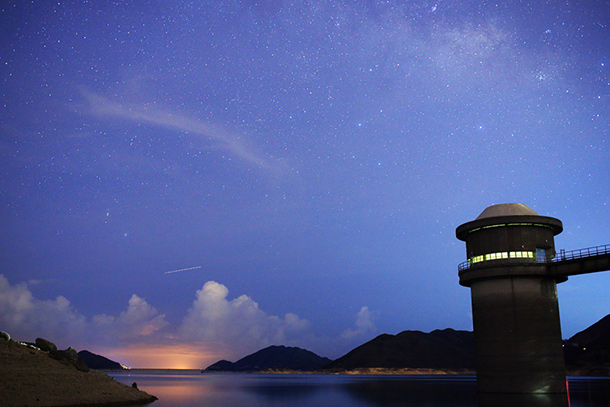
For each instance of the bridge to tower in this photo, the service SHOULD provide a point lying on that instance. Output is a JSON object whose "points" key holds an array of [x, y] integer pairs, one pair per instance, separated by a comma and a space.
{"points": [[562, 265], [513, 269]]}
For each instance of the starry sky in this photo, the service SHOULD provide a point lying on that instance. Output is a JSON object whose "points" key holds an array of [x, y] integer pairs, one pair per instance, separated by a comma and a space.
{"points": [[188, 181]]}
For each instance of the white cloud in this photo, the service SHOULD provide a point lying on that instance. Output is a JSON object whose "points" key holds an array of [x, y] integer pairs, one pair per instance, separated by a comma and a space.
{"points": [[139, 320], [364, 324], [239, 322], [222, 328], [26, 318]]}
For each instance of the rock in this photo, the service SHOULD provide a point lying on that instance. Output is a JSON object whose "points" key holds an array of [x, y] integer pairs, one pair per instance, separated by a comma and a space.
{"points": [[69, 355], [5, 336], [80, 365], [46, 346]]}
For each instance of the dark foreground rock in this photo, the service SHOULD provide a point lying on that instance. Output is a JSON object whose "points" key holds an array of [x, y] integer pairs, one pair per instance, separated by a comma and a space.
{"points": [[45, 345], [30, 377]]}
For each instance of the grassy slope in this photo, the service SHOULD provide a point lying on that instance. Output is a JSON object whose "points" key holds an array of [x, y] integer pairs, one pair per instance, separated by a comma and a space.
{"points": [[29, 377]]}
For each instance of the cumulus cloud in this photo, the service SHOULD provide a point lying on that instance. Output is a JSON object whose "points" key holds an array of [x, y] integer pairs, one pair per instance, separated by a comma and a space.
{"points": [[26, 317], [364, 324], [139, 320], [214, 327], [240, 322]]}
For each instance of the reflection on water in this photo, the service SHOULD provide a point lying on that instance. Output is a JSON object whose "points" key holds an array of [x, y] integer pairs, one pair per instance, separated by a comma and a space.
{"points": [[589, 392], [525, 400], [189, 389], [454, 391]]}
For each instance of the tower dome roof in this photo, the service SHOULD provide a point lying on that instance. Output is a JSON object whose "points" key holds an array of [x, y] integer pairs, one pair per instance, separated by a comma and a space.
{"points": [[509, 214], [507, 209]]}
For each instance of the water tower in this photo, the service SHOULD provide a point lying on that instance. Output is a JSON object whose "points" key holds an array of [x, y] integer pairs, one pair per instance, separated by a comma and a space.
{"points": [[513, 271], [514, 300]]}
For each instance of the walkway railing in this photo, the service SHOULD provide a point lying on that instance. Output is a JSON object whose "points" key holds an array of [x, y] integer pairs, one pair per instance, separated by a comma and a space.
{"points": [[561, 256], [581, 253]]}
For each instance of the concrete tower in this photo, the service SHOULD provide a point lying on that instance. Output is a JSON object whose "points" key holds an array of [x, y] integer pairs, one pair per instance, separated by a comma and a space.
{"points": [[514, 300]]}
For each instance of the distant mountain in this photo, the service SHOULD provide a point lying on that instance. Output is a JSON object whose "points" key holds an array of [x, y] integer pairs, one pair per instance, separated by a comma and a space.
{"points": [[94, 361], [588, 352], [273, 357], [440, 349], [221, 366]]}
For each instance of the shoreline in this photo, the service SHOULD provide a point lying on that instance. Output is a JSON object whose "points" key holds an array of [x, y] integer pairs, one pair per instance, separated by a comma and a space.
{"points": [[371, 371], [376, 371], [380, 371]]}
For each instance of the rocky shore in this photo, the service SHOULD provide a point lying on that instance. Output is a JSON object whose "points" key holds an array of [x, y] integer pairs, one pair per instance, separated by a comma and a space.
{"points": [[31, 377]]}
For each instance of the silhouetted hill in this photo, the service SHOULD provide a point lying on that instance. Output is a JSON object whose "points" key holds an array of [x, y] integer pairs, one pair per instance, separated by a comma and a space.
{"points": [[588, 352], [273, 357], [440, 349], [221, 366], [94, 361]]}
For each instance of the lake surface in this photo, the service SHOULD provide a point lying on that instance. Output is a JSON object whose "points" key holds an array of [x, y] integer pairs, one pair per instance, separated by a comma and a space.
{"points": [[190, 389]]}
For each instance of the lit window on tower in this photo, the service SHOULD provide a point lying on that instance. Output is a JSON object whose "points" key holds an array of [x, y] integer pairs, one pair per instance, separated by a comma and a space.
{"points": [[501, 255]]}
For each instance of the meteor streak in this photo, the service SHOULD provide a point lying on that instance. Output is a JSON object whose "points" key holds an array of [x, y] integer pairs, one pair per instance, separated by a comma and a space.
{"points": [[186, 269]]}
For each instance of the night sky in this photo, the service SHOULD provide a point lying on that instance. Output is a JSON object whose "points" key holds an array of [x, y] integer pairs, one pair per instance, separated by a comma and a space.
{"points": [[183, 182]]}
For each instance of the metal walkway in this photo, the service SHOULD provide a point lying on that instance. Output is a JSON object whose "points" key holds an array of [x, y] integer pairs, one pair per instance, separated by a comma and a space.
{"points": [[581, 253], [563, 263]]}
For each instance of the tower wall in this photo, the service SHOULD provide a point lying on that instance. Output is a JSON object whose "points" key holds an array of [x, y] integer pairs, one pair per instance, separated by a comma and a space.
{"points": [[518, 335]]}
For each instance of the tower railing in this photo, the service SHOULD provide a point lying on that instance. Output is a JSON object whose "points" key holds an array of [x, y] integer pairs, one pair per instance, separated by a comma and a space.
{"points": [[559, 257], [581, 253]]}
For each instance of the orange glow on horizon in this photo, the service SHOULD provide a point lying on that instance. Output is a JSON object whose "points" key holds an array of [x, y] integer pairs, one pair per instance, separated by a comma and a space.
{"points": [[155, 356]]}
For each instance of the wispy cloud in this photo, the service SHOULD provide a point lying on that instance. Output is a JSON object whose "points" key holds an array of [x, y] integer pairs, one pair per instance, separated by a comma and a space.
{"points": [[211, 135]]}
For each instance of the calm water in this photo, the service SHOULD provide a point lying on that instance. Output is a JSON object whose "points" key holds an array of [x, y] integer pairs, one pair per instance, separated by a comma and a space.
{"points": [[190, 389]]}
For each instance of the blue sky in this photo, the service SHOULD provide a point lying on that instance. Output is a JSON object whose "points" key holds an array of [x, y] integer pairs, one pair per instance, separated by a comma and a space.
{"points": [[308, 162]]}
